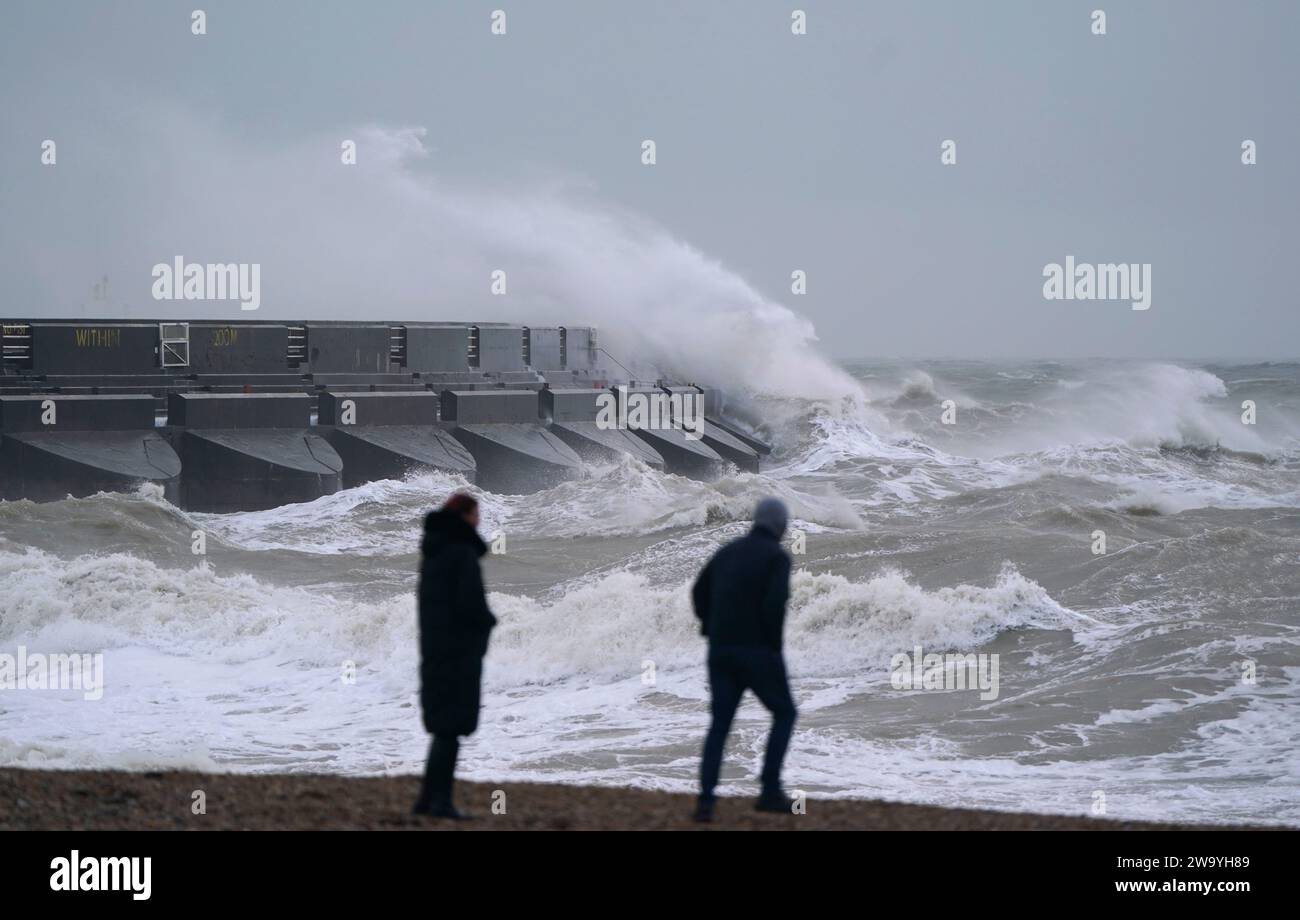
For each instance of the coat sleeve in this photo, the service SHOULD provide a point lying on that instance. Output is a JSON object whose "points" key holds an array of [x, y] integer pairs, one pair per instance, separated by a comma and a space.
{"points": [[700, 597], [774, 599], [471, 609]]}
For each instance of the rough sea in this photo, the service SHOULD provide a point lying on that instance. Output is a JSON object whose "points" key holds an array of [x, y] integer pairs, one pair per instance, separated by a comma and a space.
{"points": [[1163, 673]]}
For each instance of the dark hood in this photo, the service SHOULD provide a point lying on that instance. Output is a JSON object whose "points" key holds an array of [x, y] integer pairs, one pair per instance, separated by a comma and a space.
{"points": [[771, 517], [442, 528]]}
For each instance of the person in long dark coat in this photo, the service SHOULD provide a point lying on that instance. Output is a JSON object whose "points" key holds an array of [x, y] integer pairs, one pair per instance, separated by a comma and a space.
{"points": [[740, 599], [455, 623]]}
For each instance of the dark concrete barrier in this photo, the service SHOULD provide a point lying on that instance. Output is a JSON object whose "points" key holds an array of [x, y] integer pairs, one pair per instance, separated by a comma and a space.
{"points": [[690, 403], [55, 446], [572, 404], [490, 406], [688, 456], [255, 374], [348, 348], [573, 414], [369, 407], [513, 450], [545, 347], [715, 425], [239, 410], [731, 448], [53, 412], [248, 451], [389, 436], [238, 348], [501, 348], [580, 347], [441, 348], [715, 407], [88, 347]]}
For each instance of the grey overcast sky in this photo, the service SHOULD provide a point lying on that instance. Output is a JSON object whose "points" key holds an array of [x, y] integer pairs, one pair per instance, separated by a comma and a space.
{"points": [[775, 152]]}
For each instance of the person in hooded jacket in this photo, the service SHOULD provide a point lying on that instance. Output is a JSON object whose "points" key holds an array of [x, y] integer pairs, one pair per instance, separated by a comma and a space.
{"points": [[739, 598], [455, 623]]}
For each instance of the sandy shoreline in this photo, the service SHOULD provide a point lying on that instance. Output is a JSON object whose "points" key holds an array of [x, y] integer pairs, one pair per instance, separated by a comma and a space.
{"points": [[108, 800]]}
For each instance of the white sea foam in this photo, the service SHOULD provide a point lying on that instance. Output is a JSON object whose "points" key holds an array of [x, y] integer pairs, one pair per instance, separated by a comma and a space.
{"points": [[1141, 429], [617, 499], [595, 629]]}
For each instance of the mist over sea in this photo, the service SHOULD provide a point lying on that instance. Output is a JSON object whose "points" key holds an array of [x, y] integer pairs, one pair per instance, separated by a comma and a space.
{"points": [[1120, 673]]}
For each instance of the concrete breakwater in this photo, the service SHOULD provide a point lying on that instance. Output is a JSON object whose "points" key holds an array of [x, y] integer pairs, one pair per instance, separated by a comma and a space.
{"points": [[249, 415]]}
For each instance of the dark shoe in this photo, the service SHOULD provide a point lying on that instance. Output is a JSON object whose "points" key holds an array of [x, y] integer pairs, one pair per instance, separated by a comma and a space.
{"points": [[775, 802], [703, 811]]}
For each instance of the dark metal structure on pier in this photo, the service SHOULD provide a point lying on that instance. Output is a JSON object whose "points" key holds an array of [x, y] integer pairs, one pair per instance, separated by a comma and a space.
{"points": [[240, 415]]}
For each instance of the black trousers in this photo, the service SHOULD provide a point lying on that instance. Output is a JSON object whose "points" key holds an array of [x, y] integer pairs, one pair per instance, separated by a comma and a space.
{"points": [[439, 772], [732, 671]]}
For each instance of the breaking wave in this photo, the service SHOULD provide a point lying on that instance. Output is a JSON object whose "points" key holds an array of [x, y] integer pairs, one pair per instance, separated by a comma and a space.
{"points": [[602, 629]]}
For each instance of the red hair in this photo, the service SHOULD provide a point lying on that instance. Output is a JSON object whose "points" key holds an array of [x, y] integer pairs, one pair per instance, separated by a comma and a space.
{"points": [[461, 503]]}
